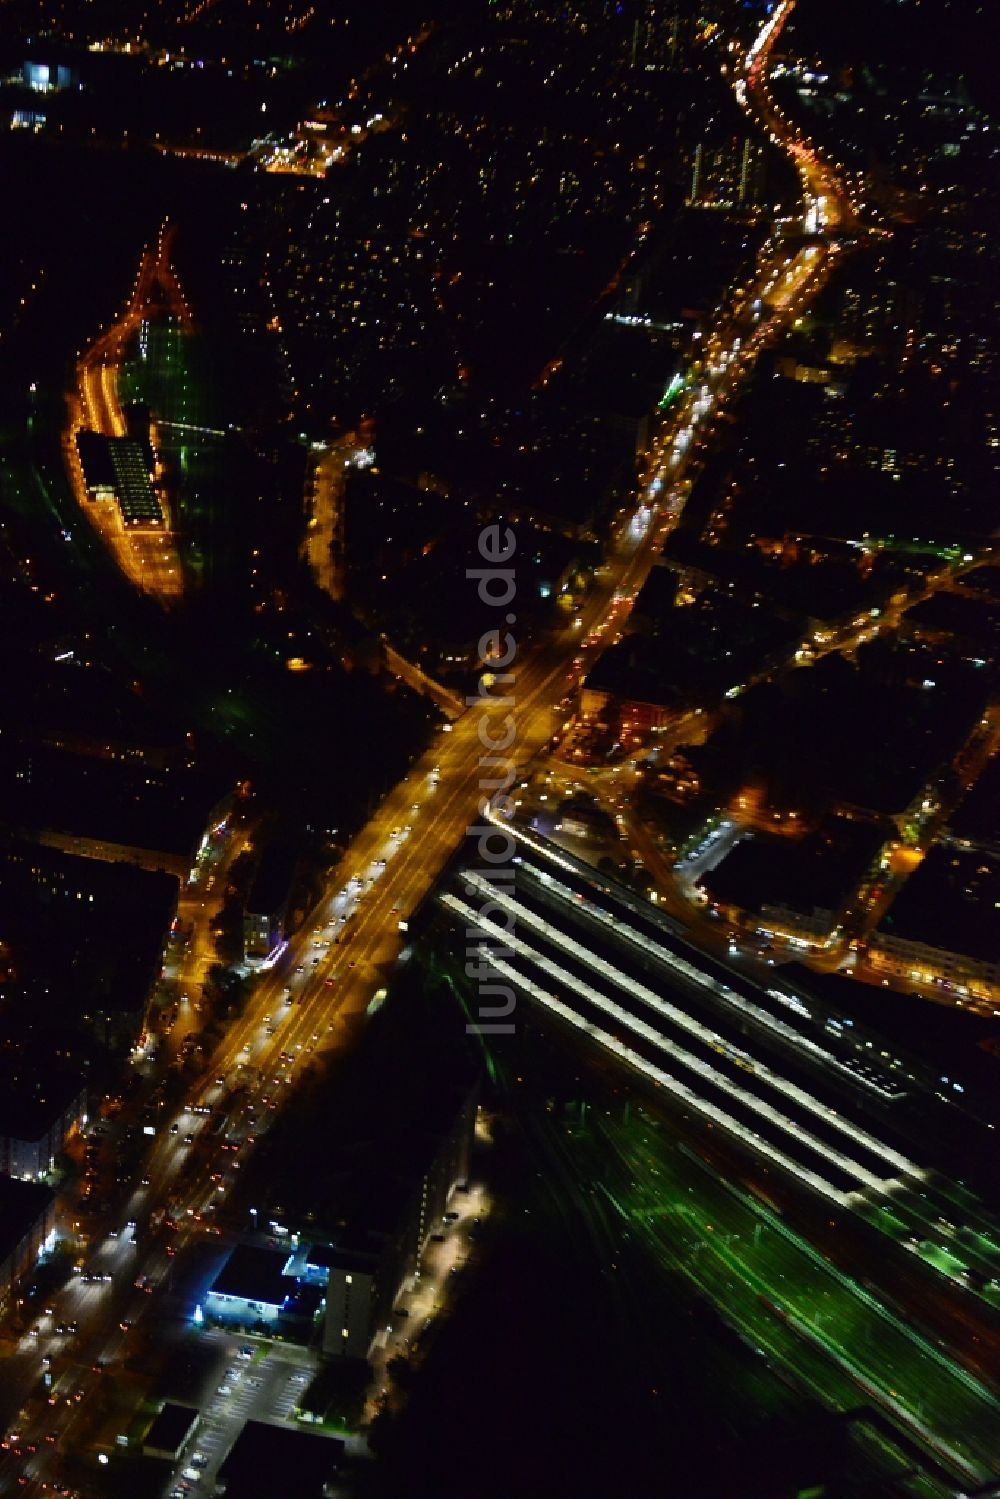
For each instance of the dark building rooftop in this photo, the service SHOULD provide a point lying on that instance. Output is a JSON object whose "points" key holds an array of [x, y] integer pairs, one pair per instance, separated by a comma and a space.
{"points": [[972, 620], [951, 901], [634, 670], [273, 880], [268, 1460], [95, 460], [162, 810], [978, 816], [21, 1205], [322, 1255], [355, 1249], [29, 1106], [816, 872], [137, 423], [867, 735], [85, 706], [983, 580], [352, 1167], [254, 1275], [706, 645], [81, 935], [171, 1429], [657, 595]]}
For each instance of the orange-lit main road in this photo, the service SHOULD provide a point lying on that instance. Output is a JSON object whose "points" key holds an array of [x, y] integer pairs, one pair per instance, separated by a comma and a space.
{"points": [[826, 200]]}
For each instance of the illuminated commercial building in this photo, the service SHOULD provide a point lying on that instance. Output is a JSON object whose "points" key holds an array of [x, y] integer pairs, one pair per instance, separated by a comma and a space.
{"points": [[49, 78], [250, 1288], [258, 1289]]}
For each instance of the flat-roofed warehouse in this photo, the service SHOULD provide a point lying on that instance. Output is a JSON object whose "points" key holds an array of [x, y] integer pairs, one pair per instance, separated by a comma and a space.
{"points": [[119, 466], [172, 1427], [268, 1459], [135, 494], [95, 460]]}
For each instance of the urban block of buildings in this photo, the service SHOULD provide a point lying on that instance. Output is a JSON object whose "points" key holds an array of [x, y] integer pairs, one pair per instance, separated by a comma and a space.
{"points": [[793, 886], [350, 1278], [943, 927]]}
